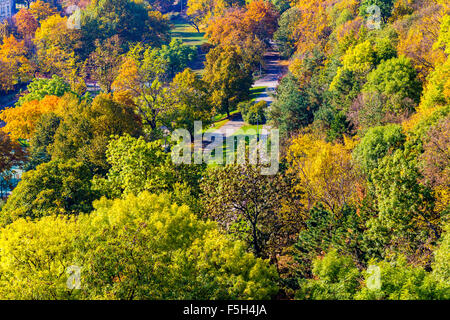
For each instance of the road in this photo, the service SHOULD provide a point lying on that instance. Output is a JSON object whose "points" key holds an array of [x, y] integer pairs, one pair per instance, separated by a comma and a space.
{"points": [[273, 71]]}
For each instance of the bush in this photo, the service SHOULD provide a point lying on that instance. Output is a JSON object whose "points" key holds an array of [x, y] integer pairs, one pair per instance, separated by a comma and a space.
{"points": [[253, 113]]}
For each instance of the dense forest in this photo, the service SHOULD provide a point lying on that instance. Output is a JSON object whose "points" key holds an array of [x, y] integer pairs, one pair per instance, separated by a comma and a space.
{"points": [[93, 207]]}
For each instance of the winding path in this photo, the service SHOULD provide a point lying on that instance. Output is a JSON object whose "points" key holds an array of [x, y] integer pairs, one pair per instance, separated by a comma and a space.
{"points": [[273, 71]]}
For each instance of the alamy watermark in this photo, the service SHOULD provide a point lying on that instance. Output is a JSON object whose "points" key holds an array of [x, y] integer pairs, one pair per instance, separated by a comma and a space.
{"points": [[263, 148], [374, 18], [74, 20], [74, 278], [373, 282]]}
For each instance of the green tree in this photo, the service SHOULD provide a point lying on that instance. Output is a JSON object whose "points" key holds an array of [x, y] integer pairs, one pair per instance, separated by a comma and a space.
{"points": [[407, 217], [189, 98], [139, 247], [323, 230], [52, 188], [336, 277], [137, 165], [228, 79], [42, 139], [284, 36], [376, 143], [35, 256], [399, 280], [256, 208], [39, 88], [253, 112], [290, 111], [385, 6], [397, 80], [177, 55], [145, 247]]}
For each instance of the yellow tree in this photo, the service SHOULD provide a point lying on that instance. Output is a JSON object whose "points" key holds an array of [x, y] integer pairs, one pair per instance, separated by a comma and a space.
{"points": [[41, 10], [227, 29], [258, 18], [313, 28], [56, 45], [21, 120], [140, 77], [261, 19], [15, 67], [201, 11], [26, 23], [416, 39], [325, 172]]}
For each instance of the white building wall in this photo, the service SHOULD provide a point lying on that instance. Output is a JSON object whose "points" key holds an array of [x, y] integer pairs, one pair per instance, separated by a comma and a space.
{"points": [[6, 9]]}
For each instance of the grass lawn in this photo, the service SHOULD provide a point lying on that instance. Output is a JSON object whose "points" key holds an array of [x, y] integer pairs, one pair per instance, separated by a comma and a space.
{"points": [[182, 30], [216, 125], [223, 116], [245, 129], [237, 136], [256, 91]]}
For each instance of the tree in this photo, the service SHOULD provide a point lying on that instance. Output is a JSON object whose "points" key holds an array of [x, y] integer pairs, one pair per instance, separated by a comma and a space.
{"points": [[284, 36], [290, 111], [177, 55], [141, 76], [312, 30], [201, 11], [249, 29], [418, 36], [385, 6], [189, 97], [21, 120], [377, 143], [325, 171], [87, 128], [435, 162], [15, 65], [103, 63], [396, 79], [52, 188], [42, 10], [137, 165], [169, 243], [11, 153], [261, 19], [26, 23], [56, 47], [42, 140], [132, 21], [357, 62], [256, 208], [441, 259], [39, 88], [407, 218], [253, 112], [228, 29], [336, 277], [324, 231], [401, 281], [229, 82], [34, 264]]}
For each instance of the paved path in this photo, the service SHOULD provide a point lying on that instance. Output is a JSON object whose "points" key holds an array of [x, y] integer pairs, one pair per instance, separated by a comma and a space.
{"points": [[272, 73], [229, 128]]}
